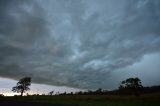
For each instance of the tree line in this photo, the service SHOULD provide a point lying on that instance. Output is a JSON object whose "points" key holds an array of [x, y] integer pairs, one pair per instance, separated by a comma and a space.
{"points": [[130, 86]]}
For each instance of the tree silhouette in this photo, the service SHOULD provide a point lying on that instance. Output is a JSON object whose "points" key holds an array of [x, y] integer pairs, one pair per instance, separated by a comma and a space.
{"points": [[99, 91], [22, 85], [51, 93], [131, 84]]}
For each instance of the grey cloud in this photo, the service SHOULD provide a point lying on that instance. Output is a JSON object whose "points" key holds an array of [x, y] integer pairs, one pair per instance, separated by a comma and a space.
{"points": [[76, 43]]}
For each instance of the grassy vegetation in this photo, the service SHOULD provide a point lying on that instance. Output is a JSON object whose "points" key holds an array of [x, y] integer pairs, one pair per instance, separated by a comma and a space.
{"points": [[107, 101], [94, 100]]}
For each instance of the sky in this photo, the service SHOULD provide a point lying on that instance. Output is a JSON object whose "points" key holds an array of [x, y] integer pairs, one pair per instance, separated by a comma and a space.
{"points": [[81, 44], [7, 84]]}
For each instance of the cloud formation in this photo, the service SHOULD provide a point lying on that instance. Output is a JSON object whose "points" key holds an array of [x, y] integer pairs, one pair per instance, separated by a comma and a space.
{"points": [[75, 43]]}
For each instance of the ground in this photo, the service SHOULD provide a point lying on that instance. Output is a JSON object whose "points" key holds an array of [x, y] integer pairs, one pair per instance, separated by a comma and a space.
{"points": [[83, 100]]}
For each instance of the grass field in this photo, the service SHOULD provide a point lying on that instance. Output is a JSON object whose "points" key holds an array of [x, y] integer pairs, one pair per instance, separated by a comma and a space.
{"points": [[94, 100]]}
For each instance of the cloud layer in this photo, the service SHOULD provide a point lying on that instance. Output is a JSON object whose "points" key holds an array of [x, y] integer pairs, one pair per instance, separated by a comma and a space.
{"points": [[75, 43]]}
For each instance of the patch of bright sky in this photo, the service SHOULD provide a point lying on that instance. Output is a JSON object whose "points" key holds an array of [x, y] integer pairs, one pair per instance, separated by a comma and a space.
{"points": [[7, 84]]}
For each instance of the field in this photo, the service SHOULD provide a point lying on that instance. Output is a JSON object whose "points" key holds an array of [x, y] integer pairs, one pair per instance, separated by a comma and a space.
{"points": [[92, 100]]}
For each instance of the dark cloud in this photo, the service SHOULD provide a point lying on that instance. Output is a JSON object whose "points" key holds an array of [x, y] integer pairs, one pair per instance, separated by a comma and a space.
{"points": [[75, 43]]}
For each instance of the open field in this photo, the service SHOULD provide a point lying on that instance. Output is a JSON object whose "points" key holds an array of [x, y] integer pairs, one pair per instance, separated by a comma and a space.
{"points": [[22, 103], [92, 100]]}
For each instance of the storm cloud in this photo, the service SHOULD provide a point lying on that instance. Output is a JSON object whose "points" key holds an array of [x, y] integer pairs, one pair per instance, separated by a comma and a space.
{"points": [[76, 43]]}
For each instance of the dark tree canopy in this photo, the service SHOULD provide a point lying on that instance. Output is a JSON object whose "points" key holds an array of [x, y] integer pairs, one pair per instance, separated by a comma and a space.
{"points": [[51, 93], [131, 84], [22, 85]]}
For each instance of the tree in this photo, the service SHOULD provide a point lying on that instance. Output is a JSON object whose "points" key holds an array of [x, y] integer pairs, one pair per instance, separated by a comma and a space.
{"points": [[51, 93], [98, 91], [22, 85], [1, 95], [131, 84]]}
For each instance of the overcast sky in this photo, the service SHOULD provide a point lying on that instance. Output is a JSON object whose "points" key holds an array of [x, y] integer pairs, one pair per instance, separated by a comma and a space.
{"points": [[84, 44]]}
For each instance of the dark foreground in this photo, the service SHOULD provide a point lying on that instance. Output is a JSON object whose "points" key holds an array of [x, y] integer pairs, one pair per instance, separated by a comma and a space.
{"points": [[20, 103], [83, 100]]}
